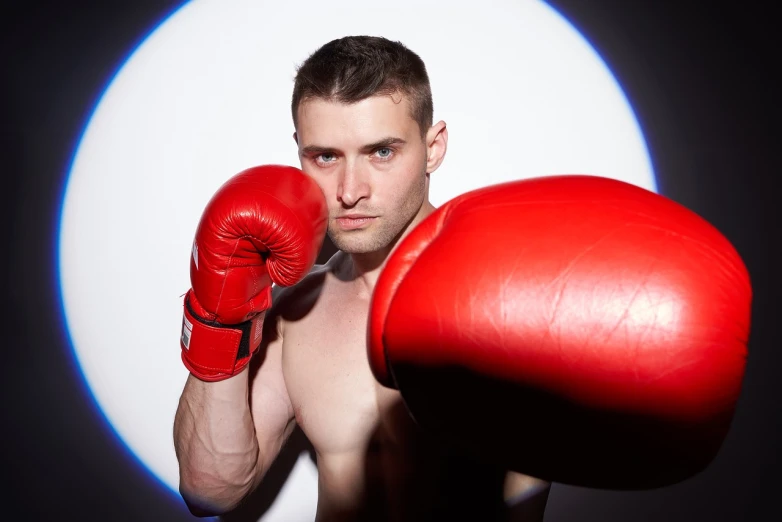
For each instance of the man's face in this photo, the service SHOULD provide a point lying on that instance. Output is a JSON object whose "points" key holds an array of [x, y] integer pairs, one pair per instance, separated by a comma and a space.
{"points": [[370, 161]]}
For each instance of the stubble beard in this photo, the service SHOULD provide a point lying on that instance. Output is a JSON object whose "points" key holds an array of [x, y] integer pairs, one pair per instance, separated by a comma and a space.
{"points": [[387, 228]]}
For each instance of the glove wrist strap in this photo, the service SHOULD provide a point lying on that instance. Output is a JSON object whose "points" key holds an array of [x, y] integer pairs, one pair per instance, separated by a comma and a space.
{"points": [[213, 351]]}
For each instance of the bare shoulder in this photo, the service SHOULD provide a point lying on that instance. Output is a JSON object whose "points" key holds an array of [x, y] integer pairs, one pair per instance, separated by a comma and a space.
{"points": [[291, 303]]}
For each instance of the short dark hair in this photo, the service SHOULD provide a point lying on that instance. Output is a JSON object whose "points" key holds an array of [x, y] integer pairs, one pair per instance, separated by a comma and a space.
{"points": [[354, 68]]}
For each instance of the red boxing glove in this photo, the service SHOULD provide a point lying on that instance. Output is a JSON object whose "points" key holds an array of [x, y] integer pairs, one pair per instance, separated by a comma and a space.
{"points": [[264, 225], [574, 328]]}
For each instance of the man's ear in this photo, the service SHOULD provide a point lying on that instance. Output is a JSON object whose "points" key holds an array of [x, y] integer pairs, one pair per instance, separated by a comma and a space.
{"points": [[295, 138], [436, 145]]}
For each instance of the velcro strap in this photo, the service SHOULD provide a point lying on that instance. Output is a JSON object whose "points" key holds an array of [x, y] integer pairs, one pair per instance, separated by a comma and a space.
{"points": [[213, 351]]}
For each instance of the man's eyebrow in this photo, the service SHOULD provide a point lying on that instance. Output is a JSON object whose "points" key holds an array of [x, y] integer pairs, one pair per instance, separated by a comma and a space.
{"points": [[385, 142], [316, 149]]}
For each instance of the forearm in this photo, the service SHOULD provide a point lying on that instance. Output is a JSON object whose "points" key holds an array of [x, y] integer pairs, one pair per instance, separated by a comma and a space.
{"points": [[216, 444]]}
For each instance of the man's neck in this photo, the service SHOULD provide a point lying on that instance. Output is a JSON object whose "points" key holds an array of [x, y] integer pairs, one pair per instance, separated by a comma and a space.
{"points": [[364, 269]]}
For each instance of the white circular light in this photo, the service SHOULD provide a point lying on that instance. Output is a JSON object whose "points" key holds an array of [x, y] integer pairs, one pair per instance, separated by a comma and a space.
{"points": [[207, 95]]}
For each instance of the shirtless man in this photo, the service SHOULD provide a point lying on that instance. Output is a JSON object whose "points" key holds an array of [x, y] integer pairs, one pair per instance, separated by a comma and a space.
{"points": [[581, 330], [362, 111]]}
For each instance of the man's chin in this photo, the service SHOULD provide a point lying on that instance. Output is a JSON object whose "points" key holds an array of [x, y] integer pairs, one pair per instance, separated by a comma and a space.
{"points": [[355, 244]]}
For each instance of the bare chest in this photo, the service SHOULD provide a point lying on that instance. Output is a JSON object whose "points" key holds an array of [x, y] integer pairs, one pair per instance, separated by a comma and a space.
{"points": [[336, 400], [372, 459]]}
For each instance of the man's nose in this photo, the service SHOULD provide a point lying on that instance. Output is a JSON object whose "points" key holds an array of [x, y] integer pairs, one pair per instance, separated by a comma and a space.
{"points": [[353, 185]]}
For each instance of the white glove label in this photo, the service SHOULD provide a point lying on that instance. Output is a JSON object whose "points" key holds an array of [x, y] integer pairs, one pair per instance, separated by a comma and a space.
{"points": [[187, 331]]}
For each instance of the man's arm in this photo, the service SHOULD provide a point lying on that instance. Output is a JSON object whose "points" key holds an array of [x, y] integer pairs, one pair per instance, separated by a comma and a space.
{"points": [[228, 433], [525, 497], [263, 226]]}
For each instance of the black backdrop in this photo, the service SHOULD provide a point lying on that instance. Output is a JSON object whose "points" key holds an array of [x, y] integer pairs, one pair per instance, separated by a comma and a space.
{"points": [[703, 77]]}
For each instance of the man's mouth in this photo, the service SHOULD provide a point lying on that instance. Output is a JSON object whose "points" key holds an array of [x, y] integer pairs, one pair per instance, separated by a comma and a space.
{"points": [[354, 221]]}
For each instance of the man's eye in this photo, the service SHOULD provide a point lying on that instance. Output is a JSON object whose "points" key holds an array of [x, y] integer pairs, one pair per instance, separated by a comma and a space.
{"points": [[384, 152], [326, 157]]}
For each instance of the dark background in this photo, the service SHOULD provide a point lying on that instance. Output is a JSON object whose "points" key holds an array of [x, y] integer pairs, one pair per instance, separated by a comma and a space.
{"points": [[703, 77]]}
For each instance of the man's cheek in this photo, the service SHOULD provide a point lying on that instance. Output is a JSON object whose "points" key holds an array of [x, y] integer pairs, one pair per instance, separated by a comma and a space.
{"points": [[328, 191]]}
